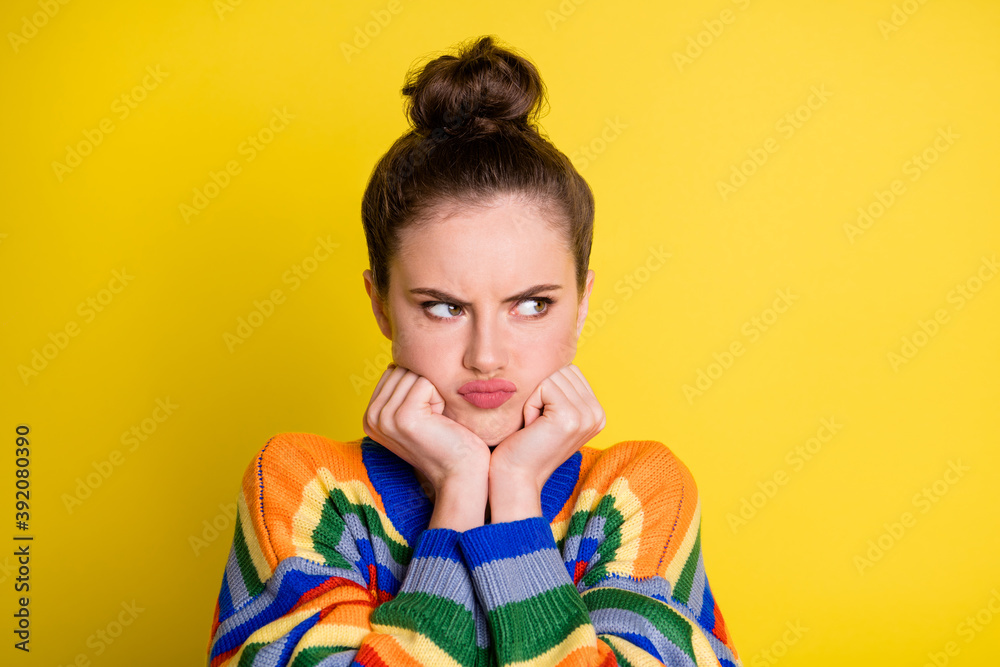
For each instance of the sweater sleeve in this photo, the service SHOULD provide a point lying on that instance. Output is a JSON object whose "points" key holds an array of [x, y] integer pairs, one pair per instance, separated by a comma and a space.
{"points": [[315, 570], [626, 587]]}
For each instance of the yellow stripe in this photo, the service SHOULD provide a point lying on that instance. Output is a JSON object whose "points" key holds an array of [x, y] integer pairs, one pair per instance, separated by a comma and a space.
{"points": [[418, 646], [358, 493], [333, 634], [305, 520], [703, 653], [250, 538], [587, 501], [635, 655], [629, 505], [676, 566], [559, 529], [582, 636], [272, 632]]}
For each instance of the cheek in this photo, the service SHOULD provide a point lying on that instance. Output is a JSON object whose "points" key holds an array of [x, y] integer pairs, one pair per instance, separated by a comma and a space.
{"points": [[551, 352], [424, 354], [563, 344]]}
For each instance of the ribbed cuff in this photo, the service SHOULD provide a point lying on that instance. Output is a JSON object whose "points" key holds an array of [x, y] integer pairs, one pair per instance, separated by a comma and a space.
{"points": [[513, 560], [437, 567], [436, 601], [523, 585]]}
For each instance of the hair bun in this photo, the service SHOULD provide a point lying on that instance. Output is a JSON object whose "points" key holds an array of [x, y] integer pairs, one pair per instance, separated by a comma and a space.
{"points": [[481, 90]]}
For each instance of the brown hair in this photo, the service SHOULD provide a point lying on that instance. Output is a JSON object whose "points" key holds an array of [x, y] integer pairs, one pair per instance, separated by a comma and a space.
{"points": [[473, 138]]}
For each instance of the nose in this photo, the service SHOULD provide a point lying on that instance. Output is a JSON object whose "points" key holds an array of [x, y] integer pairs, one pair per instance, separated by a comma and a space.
{"points": [[486, 349]]}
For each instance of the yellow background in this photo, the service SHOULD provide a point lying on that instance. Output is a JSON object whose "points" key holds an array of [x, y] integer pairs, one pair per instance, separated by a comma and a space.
{"points": [[679, 128]]}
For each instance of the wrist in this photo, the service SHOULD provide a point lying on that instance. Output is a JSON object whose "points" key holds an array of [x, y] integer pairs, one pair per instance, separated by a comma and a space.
{"points": [[514, 497], [459, 504]]}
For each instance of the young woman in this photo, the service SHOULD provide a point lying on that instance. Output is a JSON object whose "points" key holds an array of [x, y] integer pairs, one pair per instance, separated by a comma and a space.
{"points": [[472, 524]]}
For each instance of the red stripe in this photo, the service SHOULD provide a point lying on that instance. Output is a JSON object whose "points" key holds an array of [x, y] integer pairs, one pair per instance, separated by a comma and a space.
{"points": [[720, 626], [367, 656]]}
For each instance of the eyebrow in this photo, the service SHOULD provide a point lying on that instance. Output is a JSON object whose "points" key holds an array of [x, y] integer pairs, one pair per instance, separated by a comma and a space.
{"points": [[444, 296]]}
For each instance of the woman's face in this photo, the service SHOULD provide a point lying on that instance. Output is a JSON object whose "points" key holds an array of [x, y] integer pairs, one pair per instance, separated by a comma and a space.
{"points": [[463, 304]]}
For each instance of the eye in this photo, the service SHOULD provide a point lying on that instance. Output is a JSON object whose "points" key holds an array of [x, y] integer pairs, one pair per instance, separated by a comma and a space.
{"points": [[442, 312], [449, 311], [534, 311]]}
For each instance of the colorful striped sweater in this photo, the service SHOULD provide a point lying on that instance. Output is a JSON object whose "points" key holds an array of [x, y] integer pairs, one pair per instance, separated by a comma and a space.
{"points": [[332, 564]]}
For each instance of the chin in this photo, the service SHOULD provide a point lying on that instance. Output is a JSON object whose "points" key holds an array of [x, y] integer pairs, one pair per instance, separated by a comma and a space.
{"points": [[492, 426]]}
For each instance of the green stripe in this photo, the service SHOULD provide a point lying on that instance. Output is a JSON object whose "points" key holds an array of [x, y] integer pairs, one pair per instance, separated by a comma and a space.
{"points": [[485, 657], [448, 624], [327, 535], [686, 580], [252, 582], [577, 523], [525, 629], [671, 624], [622, 662], [313, 655], [250, 652], [608, 548], [369, 518]]}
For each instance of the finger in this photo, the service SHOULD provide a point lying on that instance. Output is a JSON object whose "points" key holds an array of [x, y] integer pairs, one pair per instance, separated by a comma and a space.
{"points": [[535, 403], [571, 386], [576, 371], [421, 393], [585, 393], [572, 376], [399, 394], [382, 392], [381, 381], [555, 394], [424, 391]]}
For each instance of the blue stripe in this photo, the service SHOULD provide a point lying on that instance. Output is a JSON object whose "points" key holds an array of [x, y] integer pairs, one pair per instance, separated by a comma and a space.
{"points": [[707, 617], [279, 652], [438, 542], [507, 539], [408, 507], [639, 641], [509, 580], [293, 585], [559, 486], [225, 600]]}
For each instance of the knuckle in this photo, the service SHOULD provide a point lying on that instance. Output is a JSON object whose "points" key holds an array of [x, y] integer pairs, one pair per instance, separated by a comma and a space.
{"points": [[571, 424]]}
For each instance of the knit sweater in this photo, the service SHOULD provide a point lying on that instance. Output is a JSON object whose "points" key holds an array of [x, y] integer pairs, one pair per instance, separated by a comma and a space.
{"points": [[332, 563]]}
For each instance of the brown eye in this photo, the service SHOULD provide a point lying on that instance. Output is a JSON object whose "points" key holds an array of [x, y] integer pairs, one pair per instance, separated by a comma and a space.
{"points": [[446, 311], [538, 306]]}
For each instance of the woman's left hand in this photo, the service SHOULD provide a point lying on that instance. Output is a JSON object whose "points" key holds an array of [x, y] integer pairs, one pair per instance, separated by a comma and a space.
{"points": [[560, 416]]}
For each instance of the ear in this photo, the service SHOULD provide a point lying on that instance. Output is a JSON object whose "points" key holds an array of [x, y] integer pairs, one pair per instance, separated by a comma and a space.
{"points": [[380, 310], [581, 313]]}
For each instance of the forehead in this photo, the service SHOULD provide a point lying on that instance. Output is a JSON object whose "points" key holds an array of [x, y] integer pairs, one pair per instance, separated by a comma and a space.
{"points": [[497, 248]]}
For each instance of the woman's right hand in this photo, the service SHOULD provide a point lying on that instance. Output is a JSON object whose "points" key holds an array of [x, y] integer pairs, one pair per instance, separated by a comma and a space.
{"points": [[405, 415]]}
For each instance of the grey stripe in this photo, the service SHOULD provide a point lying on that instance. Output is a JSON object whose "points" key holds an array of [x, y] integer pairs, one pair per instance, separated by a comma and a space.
{"points": [[718, 646], [442, 577], [339, 659], [696, 599], [293, 563], [238, 593], [357, 531], [650, 586], [515, 579], [270, 654], [482, 627], [616, 621], [594, 528], [571, 548]]}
